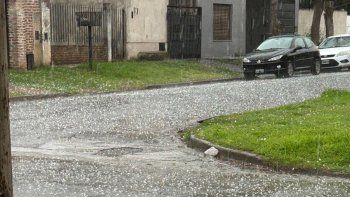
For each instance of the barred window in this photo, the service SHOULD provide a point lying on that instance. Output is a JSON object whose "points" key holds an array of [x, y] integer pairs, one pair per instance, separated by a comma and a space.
{"points": [[184, 3], [222, 22]]}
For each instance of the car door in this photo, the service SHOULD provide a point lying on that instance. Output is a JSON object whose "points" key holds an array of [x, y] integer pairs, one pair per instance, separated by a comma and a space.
{"points": [[312, 52], [300, 56]]}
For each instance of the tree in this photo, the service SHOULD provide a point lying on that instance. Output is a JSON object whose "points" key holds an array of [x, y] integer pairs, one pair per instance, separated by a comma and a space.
{"points": [[318, 6], [275, 25], [5, 144], [328, 16]]}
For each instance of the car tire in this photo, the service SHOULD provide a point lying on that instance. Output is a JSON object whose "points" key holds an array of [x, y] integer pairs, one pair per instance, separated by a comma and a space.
{"points": [[249, 76], [290, 69], [316, 69]]}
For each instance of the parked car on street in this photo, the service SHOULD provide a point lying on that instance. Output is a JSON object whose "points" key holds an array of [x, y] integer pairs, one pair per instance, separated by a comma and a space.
{"points": [[335, 52], [282, 56]]}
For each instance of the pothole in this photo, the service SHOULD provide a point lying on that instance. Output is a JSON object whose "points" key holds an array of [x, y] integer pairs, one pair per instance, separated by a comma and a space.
{"points": [[117, 152]]}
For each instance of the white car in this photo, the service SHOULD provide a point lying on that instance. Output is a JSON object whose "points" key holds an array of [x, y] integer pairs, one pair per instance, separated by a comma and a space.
{"points": [[335, 52]]}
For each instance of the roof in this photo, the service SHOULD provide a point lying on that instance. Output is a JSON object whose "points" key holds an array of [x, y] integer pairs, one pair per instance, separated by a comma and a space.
{"points": [[286, 35], [341, 35]]}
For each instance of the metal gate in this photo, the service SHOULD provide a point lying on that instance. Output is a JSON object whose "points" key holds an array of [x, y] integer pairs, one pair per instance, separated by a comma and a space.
{"points": [[65, 31], [257, 23], [184, 32], [258, 20]]}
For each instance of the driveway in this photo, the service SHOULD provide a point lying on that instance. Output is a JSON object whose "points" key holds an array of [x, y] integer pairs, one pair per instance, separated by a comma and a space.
{"points": [[126, 144]]}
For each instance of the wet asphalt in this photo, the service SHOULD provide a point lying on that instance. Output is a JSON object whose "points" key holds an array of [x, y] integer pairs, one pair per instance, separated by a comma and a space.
{"points": [[127, 144]]}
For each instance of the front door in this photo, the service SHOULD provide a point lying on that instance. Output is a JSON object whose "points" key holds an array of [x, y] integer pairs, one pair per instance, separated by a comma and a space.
{"points": [[38, 47], [301, 55]]}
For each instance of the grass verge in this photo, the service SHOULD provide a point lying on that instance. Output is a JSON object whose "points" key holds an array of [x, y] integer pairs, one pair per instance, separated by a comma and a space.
{"points": [[116, 76], [237, 61], [311, 135]]}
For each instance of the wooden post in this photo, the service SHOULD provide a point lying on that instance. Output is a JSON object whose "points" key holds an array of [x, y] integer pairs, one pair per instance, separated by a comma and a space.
{"points": [[90, 46], [108, 11], [6, 189]]}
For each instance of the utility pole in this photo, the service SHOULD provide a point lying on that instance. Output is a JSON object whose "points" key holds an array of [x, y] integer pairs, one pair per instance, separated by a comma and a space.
{"points": [[6, 189]]}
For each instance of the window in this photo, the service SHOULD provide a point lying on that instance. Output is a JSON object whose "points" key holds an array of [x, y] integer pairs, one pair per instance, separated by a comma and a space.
{"points": [[309, 43], [222, 22], [276, 43], [184, 3], [299, 42], [335, 42]]}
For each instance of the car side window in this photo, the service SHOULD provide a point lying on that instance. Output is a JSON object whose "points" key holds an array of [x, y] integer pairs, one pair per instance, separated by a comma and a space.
{"points": [[299, 42], [309, 43]]}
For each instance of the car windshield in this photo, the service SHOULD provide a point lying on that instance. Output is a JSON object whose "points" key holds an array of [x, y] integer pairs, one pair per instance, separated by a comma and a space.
{"points": [[335, 42], [276, 43]]}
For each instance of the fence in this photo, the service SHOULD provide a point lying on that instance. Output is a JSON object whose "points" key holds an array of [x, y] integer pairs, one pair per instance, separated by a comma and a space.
{"points": [[184, 32], [66, 35]]}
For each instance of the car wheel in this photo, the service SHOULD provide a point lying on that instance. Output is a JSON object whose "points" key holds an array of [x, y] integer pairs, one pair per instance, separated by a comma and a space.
{"points": [[249, 76], [316, 69], [290, 69]]}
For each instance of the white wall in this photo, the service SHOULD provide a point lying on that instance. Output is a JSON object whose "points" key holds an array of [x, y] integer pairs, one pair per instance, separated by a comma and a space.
{"points": [[146, 25], [305, 22], [348, 24]]}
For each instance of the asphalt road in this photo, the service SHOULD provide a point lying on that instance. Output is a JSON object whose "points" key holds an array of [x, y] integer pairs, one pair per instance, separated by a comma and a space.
{"points": [[126, 144]]}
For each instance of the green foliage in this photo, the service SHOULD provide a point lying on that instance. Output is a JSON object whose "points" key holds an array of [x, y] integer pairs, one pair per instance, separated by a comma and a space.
{"points": [[312, 134]]}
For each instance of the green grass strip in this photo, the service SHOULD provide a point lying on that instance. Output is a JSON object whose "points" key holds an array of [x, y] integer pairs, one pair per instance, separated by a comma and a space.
{"points": [[115, 76], [312, 134]]}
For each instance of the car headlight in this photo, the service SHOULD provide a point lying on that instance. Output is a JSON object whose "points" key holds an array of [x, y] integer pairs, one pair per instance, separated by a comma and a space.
{"points": [[276, 58], [246, 60], [343, 53]]}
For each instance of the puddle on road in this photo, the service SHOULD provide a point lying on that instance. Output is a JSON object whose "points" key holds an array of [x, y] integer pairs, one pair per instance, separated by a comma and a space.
{"points": [[117, 152]]}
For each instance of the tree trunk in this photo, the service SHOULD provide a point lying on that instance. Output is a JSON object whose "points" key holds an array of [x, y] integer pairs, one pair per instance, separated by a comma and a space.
{"points": [[5, 144], [329, 10], [315, 28], [275, 26]]}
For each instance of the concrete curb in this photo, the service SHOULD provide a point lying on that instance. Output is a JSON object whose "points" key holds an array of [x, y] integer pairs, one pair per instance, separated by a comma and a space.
{"points": [[227, 154], [39, 97], [151, 87], [193, 83]]}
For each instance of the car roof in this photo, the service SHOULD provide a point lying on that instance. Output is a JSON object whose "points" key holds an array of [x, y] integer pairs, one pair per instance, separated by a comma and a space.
{"points": [[286, 35], [341, 35]]}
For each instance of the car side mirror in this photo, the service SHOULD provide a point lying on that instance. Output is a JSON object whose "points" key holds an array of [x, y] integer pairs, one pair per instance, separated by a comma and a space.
{"points": [[297, 48]]}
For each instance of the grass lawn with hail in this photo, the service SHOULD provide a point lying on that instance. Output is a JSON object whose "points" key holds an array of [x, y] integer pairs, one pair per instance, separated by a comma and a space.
{"points": [[115, 76], [312, 134]]}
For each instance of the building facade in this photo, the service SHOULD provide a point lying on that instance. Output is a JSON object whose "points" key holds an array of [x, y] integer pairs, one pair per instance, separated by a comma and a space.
{"points": [[223, 28], [44, 32], [21, 22]]}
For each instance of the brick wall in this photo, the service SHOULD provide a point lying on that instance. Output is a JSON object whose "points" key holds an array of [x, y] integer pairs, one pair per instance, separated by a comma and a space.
{"points": [[71, 54], [21, 32]]}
